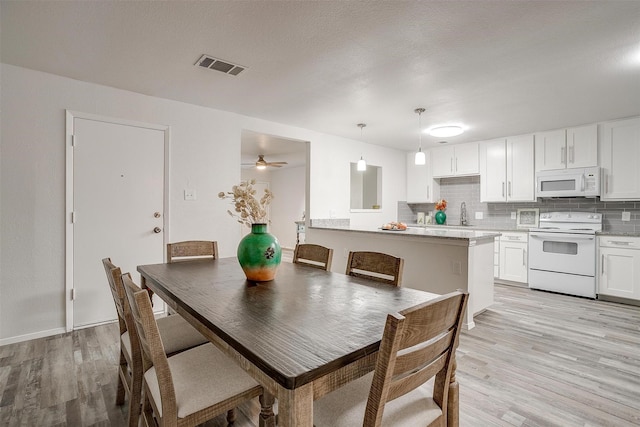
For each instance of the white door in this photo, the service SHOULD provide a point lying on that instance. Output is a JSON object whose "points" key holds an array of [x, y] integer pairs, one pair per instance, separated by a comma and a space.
{"points": [[118, 199]]}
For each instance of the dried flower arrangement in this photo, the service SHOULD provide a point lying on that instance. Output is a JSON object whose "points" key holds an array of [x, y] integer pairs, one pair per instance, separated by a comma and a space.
{"points": [[248, 210], [441, 205]]}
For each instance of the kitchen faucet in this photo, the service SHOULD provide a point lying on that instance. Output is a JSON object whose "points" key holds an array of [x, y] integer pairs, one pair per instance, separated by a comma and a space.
{"points": [[463, 214]]}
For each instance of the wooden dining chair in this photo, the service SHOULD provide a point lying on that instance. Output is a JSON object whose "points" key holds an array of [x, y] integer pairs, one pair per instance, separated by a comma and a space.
{"points": [[177, 335], [191, 249], [188, 388], [313, 256], [418, 344], [375, 266]]}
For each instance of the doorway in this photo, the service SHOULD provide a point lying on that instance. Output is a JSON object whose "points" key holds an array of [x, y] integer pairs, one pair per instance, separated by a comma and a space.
{"points": [[116, 187]]}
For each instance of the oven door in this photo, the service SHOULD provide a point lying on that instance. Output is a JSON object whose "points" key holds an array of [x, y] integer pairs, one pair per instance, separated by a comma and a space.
{"points": [[563, 253]]}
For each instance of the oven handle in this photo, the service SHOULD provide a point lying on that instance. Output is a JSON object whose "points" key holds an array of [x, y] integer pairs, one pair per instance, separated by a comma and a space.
{"points": [[556, 237]]}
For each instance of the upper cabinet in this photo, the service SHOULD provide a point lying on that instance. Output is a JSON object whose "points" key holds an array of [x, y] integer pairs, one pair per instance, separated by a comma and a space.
{"points": [[619, 158], [455, 160], [567, 148], [421, 187], [506, 170]]}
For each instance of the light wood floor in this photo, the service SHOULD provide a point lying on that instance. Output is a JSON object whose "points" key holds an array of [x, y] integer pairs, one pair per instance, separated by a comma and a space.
{"points": [[533, 359]]}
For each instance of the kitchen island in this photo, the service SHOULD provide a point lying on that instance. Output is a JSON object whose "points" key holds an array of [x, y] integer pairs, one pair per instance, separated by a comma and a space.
{"points": [[436, 259]]}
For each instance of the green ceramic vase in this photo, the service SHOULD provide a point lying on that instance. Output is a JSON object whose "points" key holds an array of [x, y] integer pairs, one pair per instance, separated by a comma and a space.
{"points": [[259, 254], [441, 217]]}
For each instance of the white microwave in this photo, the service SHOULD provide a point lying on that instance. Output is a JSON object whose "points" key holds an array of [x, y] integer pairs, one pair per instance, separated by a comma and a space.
{"points": [[578, 182]]}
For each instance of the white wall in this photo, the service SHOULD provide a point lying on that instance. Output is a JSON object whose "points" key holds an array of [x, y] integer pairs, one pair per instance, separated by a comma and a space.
{"points": [[204, 155]]}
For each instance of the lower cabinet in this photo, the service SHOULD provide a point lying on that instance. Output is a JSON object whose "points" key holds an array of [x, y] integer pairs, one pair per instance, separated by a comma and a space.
{"points": [[619, 267], [513, 256]]}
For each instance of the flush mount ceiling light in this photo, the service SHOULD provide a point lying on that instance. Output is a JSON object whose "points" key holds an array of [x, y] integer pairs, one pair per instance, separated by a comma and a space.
{"points": [[445, 131], [420, 158], [362, 165]]}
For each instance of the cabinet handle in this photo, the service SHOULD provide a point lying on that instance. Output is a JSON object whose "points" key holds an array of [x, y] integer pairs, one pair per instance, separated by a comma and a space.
{"points": [[573, 153], [428, 189], [509, 192], [618, 242], [606, 183], [602, 265], [502, 188], [562, 155], [451, 165], [524, 257]]}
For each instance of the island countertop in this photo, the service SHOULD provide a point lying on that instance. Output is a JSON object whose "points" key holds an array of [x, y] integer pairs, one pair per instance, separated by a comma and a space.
{"points": [[442, 234]]}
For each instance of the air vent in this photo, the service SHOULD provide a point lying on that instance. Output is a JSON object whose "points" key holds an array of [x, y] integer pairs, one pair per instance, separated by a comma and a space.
{"points": [[226, 67]]}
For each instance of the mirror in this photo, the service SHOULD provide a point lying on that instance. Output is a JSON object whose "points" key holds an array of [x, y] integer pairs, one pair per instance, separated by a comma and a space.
{"points": [[366, 188]]}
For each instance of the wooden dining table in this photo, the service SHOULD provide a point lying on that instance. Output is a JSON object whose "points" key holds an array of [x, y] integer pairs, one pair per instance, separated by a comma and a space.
{"points": [[301, 335]]}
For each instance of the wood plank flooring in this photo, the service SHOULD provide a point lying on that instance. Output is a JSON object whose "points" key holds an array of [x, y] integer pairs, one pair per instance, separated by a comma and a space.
{"points": [[533, 359]]}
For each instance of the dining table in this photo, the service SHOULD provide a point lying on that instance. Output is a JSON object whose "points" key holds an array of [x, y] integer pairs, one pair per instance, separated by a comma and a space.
{"points": [[301, 335]]}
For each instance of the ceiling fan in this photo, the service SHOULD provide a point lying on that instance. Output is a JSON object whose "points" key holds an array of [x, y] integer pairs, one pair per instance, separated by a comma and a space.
{"points": [[261, 163]]}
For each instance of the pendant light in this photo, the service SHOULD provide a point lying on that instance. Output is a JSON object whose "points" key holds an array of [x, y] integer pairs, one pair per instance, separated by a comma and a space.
{"points": [[362, 165], [420, 158]]}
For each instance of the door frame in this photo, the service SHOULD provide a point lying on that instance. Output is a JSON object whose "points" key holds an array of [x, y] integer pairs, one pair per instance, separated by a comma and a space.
{"points": [[69, 193]]}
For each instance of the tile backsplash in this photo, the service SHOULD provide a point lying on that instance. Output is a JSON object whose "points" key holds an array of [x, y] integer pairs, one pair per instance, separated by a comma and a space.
{"points": [[498, 215]]}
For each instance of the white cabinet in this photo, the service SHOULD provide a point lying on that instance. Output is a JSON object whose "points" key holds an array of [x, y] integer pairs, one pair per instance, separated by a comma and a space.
{"points": [[506, 170], [455, 160], [513, 256], [421, 187], [619, 267], [620, 157], [567, 148]]}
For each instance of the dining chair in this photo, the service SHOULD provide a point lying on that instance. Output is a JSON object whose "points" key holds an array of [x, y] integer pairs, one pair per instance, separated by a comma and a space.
{"points": [[177, 335], [410, 383], [375, 266], [313, 256], [191, 249], [188, 388]]}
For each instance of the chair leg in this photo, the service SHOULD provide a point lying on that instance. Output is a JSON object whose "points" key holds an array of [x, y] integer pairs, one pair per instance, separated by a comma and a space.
{"points": [[231, 416], [121, 389], [135, 399], [267, 418]]}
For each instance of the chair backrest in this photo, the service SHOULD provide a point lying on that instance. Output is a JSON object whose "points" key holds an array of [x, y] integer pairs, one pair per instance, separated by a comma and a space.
{"points": [[417, 344], [313, 255], [192, 249], [150, 342], [117, 291], [375, 266]]}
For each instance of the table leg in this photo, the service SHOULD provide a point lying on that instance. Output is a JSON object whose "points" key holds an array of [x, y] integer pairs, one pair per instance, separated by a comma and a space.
{"points": [[143, 285], [295, 407], [453, 403], [267, 418]]}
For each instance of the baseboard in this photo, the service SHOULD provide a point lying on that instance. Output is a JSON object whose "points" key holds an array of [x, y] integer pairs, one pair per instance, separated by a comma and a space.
{"points": [[33, 336], [619, 300]]}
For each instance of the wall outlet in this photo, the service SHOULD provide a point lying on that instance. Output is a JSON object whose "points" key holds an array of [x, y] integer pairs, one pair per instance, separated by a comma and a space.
{"points": [[513, 215], [479, 215], [626, 216], [189, 194]]}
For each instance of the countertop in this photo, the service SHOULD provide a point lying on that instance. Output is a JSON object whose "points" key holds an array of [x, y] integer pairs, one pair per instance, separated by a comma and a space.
{"points": [[442, 232]]}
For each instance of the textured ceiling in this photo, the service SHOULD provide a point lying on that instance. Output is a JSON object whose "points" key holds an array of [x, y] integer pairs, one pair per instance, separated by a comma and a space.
{"points": [[501, 68]]}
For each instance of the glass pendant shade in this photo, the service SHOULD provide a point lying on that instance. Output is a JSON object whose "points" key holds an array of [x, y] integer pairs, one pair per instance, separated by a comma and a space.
{"points": [[362, 165], [420, 159]]}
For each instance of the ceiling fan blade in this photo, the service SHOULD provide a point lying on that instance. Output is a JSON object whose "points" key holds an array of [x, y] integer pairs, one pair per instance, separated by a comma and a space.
{"points": [[277, 163], [273, 165]]}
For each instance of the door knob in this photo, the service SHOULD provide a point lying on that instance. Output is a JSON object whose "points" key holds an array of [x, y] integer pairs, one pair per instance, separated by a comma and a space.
{"points": [[157, 230]]}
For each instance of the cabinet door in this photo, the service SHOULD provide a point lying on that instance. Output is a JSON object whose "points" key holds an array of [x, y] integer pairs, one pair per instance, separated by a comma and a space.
{"points": [[421, 188], [513, 261], [582, 147], [442, 162], [619, 273], [466, 159], [620, 156], [520, 171], [551, 150], [493, 171]]}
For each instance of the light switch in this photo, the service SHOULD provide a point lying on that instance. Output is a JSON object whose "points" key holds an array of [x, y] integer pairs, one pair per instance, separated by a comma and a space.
{"points": [[479, 215], [189, 194], [626, 216]]}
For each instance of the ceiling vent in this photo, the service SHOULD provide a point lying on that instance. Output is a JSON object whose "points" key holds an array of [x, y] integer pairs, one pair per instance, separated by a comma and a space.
{"points": [[226, 67]]}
